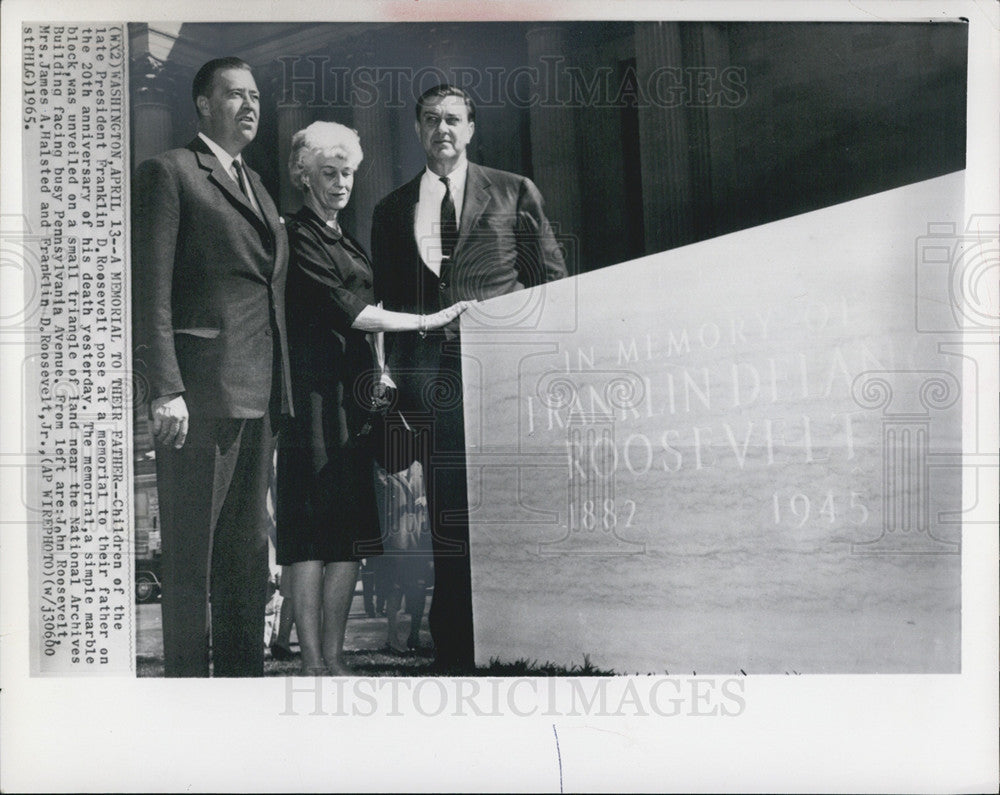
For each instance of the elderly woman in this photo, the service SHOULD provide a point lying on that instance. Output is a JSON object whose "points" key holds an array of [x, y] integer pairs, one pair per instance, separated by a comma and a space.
{"points": [[326, 516]]}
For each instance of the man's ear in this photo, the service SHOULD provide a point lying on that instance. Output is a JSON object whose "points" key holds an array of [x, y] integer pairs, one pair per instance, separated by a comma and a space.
{"points": [[416, 129], [472, 129], [203, 105]]}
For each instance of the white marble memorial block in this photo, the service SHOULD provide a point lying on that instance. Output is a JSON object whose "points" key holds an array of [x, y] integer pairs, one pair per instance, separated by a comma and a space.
{"points": [[741, 455]]}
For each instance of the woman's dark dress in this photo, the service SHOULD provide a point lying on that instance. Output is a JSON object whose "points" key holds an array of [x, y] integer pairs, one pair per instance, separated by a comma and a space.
{"points": [[325, 492]]}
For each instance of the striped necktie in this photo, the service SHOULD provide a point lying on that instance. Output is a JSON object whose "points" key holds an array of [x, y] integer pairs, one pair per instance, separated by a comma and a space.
{"points": [[449, 226], [241, 180]]}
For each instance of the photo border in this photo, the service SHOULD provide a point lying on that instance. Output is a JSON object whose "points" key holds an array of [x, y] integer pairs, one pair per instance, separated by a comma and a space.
{"points": [[823, 733]]}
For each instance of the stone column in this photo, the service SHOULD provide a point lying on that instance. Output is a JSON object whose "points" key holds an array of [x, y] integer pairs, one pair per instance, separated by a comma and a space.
{"points": [[447, 52], [151, 85], [699, 140], [553, 134], [663, 141], [293, 114], [374, 180], [720, 139]]}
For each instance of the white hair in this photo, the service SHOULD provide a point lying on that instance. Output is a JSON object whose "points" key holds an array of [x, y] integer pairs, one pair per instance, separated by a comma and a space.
{"points": [[326, 138]]}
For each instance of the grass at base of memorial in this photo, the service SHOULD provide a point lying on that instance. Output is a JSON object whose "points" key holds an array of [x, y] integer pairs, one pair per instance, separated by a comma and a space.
{"points": [[526, 667], [365, 652], [375, 663], [366, 663], [380, 663]]}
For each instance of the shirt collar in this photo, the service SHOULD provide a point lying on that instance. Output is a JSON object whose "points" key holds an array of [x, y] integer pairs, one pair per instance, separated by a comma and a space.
{"points": [[456, 177], [224, 157]]}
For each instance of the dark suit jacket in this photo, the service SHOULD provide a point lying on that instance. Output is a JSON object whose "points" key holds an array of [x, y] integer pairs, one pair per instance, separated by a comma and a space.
{"points": [[209, 276], [505, 244]]}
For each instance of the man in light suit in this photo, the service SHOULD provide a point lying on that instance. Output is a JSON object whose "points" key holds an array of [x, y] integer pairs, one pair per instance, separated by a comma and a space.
{"points": [[209, 262], [457, 231]]}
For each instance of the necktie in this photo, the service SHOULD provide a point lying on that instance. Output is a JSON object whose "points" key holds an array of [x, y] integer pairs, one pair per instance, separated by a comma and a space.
{"points": [[449, 226], [241, 179], [238, 173]]}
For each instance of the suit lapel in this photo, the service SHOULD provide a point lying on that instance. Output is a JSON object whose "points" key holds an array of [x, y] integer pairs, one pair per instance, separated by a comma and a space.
{"points": [[224, 182], [408, 207], [272, 223], [477, 196], [263, 199]]}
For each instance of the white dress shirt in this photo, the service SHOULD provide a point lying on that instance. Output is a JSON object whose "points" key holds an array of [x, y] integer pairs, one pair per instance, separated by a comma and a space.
{"points": [[227, 161], [427, 218]]}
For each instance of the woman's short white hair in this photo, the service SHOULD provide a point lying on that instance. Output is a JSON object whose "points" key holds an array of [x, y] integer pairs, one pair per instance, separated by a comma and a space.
{"points": [[326, 138]]}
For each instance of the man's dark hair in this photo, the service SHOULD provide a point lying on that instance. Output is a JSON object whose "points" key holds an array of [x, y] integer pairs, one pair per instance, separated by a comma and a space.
{"points": [[202, 84], [446, 90]]}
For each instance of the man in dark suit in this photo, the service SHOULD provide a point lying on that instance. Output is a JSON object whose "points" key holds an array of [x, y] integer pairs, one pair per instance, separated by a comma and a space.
{"points": [[457, 231], [209, 260]]}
